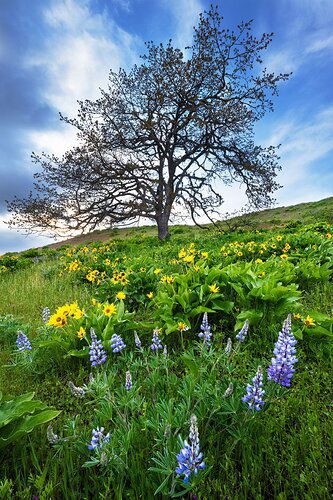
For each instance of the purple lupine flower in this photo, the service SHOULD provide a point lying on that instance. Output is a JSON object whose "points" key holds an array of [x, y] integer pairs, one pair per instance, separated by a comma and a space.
{"points": [[190, 457], [228, 346], [117, 343], [243, 332], [137, 341], [255, 392], [281, 369], [156, 342], [128, 382], [46, 313], [22, 342], [98, 440], [205, 330], [97, 354]]}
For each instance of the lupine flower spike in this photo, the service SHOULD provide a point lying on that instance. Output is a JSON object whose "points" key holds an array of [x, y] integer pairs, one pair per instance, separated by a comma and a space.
{"points": [[46, 314], [128, 382], [156, 342], [22, 342], [255, 392], [228, 346], [205, 330], [97, 354], [190, 457], [117, 343], [229, 390], [98, 440], [78, 392], [137, 341], [51, 436], [281, 369], [243, 332]]}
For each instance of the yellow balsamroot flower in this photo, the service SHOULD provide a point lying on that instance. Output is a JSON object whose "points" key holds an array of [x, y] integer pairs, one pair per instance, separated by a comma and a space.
{"points": [[81, 333], [213, 288], [107, 262], [189, 258], [258, 261], [58, 320], [150, 295], [297, 316], [109, 309], [3, 269], [279, 238], [240, 254], [284, 256], [204, 255], [78, 313], [114, 281], [308, 321], [168, 279], [142, 269], [196, 268], [94, 302], [182, 327], [273, 245], [74, 266], [157, 271], [182, 253], [121, 295], [287, 246], [329, 235], [262, 274]]}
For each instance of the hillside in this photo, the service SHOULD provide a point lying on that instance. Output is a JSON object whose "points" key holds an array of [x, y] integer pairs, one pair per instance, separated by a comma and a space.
{"points": [[303, 213]]}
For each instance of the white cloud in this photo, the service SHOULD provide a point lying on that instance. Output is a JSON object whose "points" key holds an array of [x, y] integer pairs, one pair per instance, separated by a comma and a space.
{"points": [[186, 15]]}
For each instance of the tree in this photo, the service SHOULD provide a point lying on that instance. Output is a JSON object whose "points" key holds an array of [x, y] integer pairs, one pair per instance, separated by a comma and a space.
{"points": [[161, 136]]}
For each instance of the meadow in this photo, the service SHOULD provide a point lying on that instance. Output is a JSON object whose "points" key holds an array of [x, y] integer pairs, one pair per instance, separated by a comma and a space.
{"points": [[197, 367]]}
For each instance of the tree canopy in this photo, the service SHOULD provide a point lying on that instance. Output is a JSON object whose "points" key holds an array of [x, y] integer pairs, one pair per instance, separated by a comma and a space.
{"points": [[161, 137]]}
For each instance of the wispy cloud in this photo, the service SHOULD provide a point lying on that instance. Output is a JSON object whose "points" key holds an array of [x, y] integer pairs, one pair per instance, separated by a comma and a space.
{"points": [[185, 13]]}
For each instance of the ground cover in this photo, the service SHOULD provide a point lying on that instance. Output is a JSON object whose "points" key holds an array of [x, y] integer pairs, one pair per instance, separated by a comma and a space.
{"points": [[115, 337]]}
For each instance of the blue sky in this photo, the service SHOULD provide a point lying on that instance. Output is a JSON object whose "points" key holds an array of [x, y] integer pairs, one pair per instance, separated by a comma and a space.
{"points": [[53, 52]]}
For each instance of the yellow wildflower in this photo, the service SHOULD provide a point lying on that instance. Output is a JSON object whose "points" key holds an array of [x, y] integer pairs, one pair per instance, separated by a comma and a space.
{"points": [[213, 288], [81, 333], [182, 253], [58, 320], [150, 295], [240, 254], [258, 261], [157, 271], [308, 321], [189, 258], [284, 256], [107, 262], [182, 327], [204, 255], [109, 309], [297, 316], [121, 295], [279, 238]]}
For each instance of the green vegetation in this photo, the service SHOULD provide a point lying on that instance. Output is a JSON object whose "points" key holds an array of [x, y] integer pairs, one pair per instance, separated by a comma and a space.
{"points": [[132, 286]]}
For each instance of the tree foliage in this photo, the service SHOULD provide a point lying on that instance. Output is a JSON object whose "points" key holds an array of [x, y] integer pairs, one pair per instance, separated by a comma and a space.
{"points": [[162, 137]]}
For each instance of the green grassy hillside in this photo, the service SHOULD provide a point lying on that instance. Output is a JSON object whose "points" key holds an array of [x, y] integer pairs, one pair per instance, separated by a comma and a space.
{"points": [[125, 346]]}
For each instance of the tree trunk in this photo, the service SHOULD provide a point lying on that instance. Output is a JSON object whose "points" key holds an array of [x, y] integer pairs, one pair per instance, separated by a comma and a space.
{"points": [[162, 226]]}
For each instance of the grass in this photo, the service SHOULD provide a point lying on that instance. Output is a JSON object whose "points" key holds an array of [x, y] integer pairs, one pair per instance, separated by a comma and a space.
{"points": [[282, 452]]}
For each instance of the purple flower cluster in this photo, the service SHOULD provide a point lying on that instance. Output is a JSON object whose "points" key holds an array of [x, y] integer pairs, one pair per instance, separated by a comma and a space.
{"points": [[46, 313], [156, 342], [128, 382], [97, 354], [205, 330], [116, 343], [22, 342], [243, 332], [98, 439], [255, 392], [281, 369], [190, 457], [137, 341]]}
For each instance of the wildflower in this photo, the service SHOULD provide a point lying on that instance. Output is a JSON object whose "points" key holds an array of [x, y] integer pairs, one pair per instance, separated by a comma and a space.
{"points": [[97, 354], [128, 382], [259, 261], [182, 253], [98, 439], [109, 309], [121, 295], [51, 436], [308, 321], [107, 262], [254, 393], [229, 390], [204, 255], [168, 279], [240, 254], [81, 333], [46, 313], [279, 238], [228, 346], [213, 288], [261, 274], [156, 342], [205, 329], [297, 316], [190, 457], [189, 258], [157, 271], [137, 340], [22, 342], [182, 327], [142, 269], [79, 392], [150, 295], [281, 369], [117, 343], [58, 320], [243, 332], [284, 256]]}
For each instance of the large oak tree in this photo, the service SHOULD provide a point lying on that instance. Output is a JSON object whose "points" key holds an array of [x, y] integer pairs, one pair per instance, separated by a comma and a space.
{"points": [[161, 137]]}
